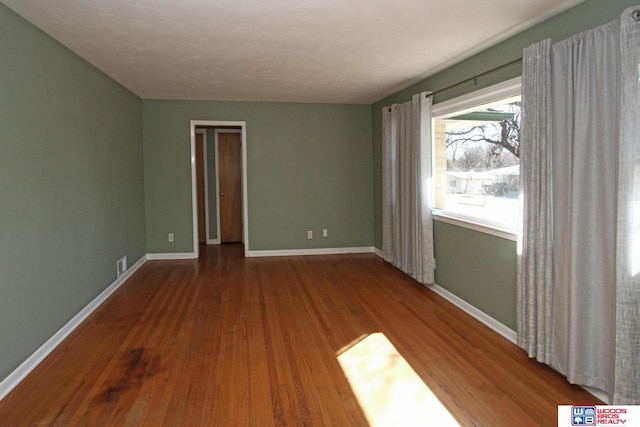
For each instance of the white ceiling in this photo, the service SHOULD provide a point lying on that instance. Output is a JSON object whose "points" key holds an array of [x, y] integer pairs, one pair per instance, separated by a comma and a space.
{"points": [[337, 51]]}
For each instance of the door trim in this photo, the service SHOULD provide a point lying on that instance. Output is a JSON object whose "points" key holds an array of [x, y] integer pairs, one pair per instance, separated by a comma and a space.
{"points": [[194, 193], [205, 171]]}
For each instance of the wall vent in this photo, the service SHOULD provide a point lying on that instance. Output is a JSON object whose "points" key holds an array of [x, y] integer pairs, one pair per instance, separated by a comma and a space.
{"points": [[121, 265]]}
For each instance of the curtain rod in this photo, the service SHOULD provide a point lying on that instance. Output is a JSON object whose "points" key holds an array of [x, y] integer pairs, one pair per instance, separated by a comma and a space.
{"points": [[476, 77]]}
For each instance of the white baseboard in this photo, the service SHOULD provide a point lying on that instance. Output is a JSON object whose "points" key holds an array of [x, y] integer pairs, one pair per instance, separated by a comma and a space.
{"points": [[481, 316], [213, 241], [38, 356], [319, 251], [179, 255], [498, 327], [13, 379]]}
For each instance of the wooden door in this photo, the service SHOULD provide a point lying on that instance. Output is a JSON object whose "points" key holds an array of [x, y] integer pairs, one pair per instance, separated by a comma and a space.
{"points": [[230, 176], [202, 225]]}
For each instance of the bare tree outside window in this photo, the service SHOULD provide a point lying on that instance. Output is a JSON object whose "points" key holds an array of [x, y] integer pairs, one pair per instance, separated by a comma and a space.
{"points": [[486, 144]]}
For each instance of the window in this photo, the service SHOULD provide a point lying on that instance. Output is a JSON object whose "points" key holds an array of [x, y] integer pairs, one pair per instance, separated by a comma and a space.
{"points": [[476, 157]]}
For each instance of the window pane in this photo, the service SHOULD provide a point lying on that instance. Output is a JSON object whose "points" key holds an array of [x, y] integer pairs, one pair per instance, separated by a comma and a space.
{"points": [[477, 166]]}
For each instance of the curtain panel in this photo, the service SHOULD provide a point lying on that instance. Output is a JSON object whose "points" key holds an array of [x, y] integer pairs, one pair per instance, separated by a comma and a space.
{"points": [[578, 285], [407, 227], [535, 264], [627, 344]]}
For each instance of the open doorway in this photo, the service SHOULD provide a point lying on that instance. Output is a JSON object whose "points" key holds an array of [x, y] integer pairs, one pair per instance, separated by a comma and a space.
{"points": [[219, 202]]}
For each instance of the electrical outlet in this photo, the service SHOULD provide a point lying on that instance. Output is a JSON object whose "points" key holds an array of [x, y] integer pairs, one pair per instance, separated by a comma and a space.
{"points": [[324, 232], [171, 237], [309, 234]]}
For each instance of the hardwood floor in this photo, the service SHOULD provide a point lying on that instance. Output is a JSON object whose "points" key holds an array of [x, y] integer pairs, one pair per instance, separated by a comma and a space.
{"points": [[230, 341]]}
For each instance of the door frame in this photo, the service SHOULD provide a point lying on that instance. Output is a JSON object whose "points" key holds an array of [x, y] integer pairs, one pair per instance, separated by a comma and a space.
{"points": [[205, 171], [194, 190]]}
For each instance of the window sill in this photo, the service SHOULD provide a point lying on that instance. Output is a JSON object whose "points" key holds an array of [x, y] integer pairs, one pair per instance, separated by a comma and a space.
{"points": [[450, 218]]}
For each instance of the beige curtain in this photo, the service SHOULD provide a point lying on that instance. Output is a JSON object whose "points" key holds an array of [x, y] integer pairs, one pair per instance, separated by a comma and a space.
{"points": [[407, 229]]}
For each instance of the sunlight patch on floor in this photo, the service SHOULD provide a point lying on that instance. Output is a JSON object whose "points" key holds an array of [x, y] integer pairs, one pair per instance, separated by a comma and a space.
{"points": [[387, 388]]}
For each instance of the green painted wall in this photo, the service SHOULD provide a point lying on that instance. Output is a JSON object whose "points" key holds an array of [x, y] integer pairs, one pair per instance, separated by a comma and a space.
{"points": [[71, 186], [478, 268], [499, 278], [309, 168]]}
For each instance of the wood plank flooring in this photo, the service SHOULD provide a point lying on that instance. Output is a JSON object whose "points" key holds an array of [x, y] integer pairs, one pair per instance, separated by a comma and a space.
{"points": [[229, 341]]}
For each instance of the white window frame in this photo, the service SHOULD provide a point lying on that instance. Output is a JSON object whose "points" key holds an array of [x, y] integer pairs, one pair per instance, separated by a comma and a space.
{"points": [[460, 105]]}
